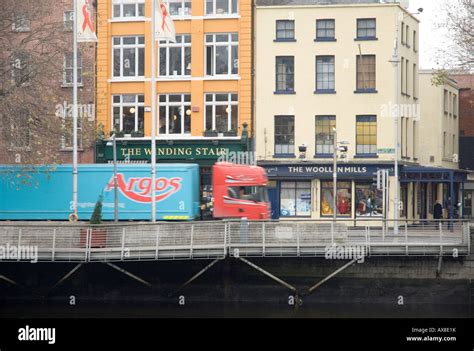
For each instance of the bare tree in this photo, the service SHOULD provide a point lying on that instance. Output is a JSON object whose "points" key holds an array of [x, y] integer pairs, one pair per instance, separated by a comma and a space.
{"points": [[459, 23], [33, 42]]}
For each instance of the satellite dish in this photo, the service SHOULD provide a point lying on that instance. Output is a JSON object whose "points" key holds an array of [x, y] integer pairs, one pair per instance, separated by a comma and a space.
{"points": [[405, 3]]}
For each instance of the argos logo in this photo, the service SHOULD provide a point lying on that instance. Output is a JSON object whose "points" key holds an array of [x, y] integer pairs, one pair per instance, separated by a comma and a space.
{"points": [[139, 189]]}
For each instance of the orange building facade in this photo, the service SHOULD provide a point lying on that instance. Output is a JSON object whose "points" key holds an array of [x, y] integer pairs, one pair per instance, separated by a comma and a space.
{"points": [[203, 80]]}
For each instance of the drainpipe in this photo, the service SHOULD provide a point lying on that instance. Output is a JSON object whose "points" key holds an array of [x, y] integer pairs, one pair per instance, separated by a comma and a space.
{"points": [[252, 73]]}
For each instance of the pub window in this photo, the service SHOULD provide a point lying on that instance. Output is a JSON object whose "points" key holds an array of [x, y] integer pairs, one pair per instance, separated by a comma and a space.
{"points": [[415, 42], [325, 29], [175, 114], [222, 111], [446, 101], [20, 130], [21, 23], [366, 73], [129, 57], [343, 199], [366, 28], [180, 7], [221, 7], [68, 17], [284, 135], [222, 54], [325, 134], [325, 81], [285, 30], [366, 127], [128, 113], [407, 77], [21, 69], [68, 69], [67, 137], [295, 199], [369, 200], [175, 58], [285, 74], [128, 8]]}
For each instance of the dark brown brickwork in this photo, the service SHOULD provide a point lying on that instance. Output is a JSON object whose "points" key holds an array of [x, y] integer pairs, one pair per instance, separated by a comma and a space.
{"points": [[466, 119], [49, 13]]}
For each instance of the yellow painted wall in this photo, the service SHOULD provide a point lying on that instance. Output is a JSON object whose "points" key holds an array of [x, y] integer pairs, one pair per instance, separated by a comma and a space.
{"points": [[198, 25]]}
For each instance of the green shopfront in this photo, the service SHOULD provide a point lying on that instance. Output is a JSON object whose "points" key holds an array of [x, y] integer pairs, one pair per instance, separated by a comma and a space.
{"points": [[202, 152]]}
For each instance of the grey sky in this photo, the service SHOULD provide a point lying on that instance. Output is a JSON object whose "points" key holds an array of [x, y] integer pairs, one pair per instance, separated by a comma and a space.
{"points": [[431, 37]]}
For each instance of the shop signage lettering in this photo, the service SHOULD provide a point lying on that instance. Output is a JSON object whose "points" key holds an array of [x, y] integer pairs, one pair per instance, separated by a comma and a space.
{"points": [[367, 171], [175, 151], [327, 169]]}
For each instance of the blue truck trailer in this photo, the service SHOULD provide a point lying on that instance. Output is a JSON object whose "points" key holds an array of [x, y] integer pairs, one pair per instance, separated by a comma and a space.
{"points": [[47, 194]]}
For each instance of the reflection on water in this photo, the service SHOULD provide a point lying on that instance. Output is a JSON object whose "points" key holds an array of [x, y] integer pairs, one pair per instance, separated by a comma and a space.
{"points": [[247, 310]]}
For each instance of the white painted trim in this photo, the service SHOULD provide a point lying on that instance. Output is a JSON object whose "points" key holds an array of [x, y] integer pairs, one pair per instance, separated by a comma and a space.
{"points": [[129, 19]]}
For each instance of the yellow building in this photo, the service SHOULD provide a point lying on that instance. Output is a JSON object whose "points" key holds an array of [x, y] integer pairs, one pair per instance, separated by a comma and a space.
{"points": [[203, 80], [333, 65]]}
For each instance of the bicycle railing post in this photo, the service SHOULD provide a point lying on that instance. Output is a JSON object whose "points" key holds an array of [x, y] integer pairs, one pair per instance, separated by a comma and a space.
{"points": [[332, 233], [440, 238], [86, 258], [226, 241], [368, 235], [191, 243], [263, 239], [468, 235], [123, 244], [53, 250], [406, 238], [19, 241], [297, 243], [157, 241]]}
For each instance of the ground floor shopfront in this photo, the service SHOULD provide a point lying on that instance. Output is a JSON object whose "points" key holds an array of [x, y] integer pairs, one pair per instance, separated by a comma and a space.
{"points": [[305, 190], [202, 152]]}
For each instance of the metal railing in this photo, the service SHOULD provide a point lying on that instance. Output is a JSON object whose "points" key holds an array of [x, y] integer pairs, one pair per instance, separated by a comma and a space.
{"points": [[237, 238]]}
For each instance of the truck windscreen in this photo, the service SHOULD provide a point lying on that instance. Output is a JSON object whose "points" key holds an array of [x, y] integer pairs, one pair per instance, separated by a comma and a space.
{"points": [[251, 193]]}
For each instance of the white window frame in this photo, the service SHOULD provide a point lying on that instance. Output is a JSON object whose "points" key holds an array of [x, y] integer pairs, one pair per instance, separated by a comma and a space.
{"points": [[230, 13], [68, 18], [21, 58], [68, 116], [166, 44], [136, 104], [229, 103], [121, 3], [13, 130], [21, 23], [67, 68], [182, 8], [214, 44], [122, 46], [184, 105]]}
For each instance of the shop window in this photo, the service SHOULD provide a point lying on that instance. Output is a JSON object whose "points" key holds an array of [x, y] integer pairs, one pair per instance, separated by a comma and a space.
{"points": [[343, 200], [404, 199], [369, 200], [295, 199]]}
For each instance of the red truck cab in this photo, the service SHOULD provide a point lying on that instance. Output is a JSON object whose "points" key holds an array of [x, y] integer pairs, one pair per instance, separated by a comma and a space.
{"points": [[240, 191]]}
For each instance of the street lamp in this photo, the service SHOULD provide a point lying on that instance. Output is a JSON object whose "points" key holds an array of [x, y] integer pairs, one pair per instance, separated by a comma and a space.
{"points": [[114, 144]]}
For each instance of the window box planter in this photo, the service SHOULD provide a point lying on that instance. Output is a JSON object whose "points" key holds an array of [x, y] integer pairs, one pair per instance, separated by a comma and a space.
{"points": [[230, 133], [210, 133], [137, 134]]}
